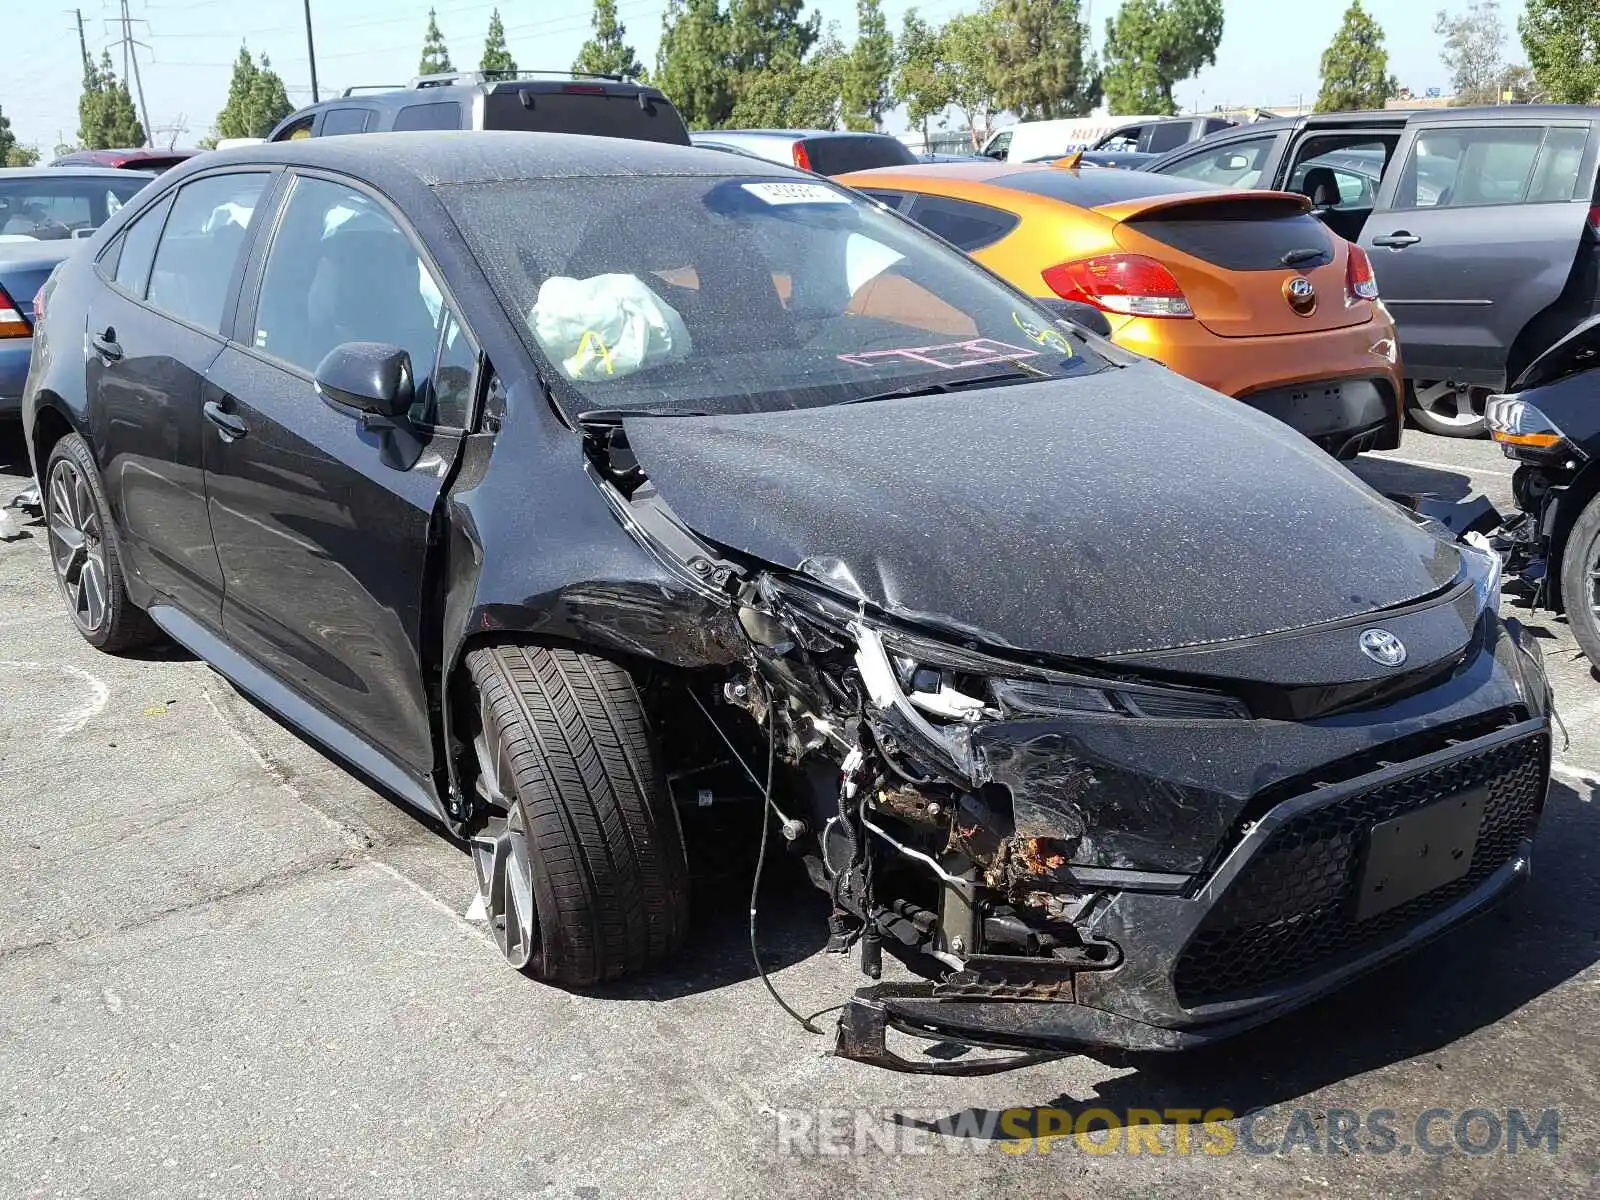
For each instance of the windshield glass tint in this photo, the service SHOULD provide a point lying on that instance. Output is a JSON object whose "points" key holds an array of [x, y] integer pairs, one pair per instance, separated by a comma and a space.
{"points": [[743, 294]]}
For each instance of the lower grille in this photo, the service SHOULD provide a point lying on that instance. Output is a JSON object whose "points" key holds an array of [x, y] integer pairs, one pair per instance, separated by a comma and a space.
{"points": [[1292, 907]]}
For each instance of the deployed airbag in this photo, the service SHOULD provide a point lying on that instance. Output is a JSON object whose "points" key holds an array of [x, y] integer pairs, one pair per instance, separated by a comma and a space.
{"points": [[606, 326]]}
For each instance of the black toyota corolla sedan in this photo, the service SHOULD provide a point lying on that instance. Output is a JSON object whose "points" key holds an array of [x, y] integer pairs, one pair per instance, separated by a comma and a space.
{"points": [[557, 482]]}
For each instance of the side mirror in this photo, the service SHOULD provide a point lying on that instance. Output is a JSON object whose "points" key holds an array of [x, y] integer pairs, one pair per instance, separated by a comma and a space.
{"points": [[369, 378]]}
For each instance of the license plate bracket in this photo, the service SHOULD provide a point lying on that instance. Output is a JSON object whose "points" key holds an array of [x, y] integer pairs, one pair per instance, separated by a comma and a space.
{"points": [[1416, 852]]}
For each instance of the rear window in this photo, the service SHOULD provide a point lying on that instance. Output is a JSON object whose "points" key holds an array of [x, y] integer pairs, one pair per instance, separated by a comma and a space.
{"points": [[53, 205], [1241, 235], [609, 114], [841, 155], [1088, 189]]}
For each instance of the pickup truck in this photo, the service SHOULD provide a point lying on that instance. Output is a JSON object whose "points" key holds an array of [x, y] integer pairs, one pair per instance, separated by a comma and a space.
{"points": [[1483, 225]]}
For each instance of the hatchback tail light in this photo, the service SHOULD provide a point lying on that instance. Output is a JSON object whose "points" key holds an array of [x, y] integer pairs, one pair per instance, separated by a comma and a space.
{"points": [[1594, 220], [801, 158], [12, 323], [1133, 285], [1360, 281]]}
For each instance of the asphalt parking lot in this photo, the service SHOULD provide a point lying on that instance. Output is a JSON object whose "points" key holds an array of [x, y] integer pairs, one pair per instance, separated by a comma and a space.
{"points": [[229, 968]]}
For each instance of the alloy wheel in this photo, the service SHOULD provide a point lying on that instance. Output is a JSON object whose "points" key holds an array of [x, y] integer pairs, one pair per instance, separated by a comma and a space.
{"points": [[504, 866], [77, 546], [1457, 405]]}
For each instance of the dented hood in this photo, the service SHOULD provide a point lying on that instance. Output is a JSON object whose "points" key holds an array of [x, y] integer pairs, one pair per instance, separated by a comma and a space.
{"points": [[1117, 512]]}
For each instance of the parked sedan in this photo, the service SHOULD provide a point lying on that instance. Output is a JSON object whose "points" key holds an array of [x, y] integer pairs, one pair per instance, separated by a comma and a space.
{"points": [[820, 150], [556, 486], [43, 214], [1244, 292]]}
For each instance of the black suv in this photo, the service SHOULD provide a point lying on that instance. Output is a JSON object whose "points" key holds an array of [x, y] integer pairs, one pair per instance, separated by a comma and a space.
{"points": [[528, 101], [1483, 225]]}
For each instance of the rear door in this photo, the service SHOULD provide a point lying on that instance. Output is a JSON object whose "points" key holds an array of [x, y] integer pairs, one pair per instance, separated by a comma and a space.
{"points": [[322, 524], [155, 327], [1476, 232]]}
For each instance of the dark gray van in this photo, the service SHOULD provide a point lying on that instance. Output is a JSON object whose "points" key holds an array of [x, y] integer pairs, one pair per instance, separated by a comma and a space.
{"points": [[1483, 225], [528, 101]]}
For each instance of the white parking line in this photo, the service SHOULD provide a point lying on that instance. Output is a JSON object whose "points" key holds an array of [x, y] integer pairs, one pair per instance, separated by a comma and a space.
{"points": [[1454, 468]]}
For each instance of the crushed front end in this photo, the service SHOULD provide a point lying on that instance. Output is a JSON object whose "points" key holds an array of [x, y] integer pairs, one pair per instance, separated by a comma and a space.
{"points": [[1142, 855]]}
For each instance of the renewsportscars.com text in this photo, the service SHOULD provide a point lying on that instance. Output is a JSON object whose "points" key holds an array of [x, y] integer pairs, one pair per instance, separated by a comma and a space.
{"points": [[1432, 1132]]}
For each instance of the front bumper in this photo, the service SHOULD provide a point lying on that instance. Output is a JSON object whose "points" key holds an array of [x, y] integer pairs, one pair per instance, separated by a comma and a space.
{"points": [[1272, 926]]}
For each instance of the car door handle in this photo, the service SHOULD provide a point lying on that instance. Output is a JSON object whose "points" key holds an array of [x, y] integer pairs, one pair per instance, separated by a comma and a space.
{"points": [[229, 427], [106, 345], [1398, 240]]}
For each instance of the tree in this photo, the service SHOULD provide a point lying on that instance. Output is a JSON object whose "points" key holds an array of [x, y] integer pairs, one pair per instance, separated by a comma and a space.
{"points": [[607, 53], [966, 51], [106, 116], [496, 55], [867, 90], [8, 140], [1517, 85], [1039, 64], [435, 54], [804, 95], [1472, 44], [1152, 46], [920, 80], [22, 156], [256, 100], [768, 35], [1562, 41], [692, 62], [1355, 66]]}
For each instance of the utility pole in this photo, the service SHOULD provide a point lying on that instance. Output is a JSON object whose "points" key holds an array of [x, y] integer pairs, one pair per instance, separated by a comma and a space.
{"points": [[130, 66], [311, 53], [83, 43]]}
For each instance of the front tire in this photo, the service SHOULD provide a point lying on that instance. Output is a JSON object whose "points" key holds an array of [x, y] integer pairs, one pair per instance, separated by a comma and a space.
{"points": [[1447, 408], [1580, 581], [580, 861], [83, 551]]}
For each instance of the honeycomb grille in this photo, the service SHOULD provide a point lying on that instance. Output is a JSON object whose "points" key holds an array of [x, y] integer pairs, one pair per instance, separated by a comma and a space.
{"points": [[1293, 905]]}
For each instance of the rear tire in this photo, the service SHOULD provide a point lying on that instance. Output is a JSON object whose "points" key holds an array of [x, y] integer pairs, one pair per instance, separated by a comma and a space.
{"points": [[1580, 581], [83, 551], [1447, 408], [581, 860]]}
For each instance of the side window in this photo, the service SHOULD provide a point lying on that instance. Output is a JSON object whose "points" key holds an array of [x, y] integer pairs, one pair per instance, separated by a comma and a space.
{"points": [[1238, 164], [1466, 168], [1000, 146], [341, 270], [439, 115], [1167, 137], [1217, 124], [963, 224], [450, 399], [1555, 175], [201, 245], [344, 120], [299, 130], [1352, 169], [895, 200], [137, 249]]}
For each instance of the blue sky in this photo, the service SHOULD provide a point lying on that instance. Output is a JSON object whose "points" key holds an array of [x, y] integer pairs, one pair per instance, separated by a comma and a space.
{"points": [[1269, 52]]}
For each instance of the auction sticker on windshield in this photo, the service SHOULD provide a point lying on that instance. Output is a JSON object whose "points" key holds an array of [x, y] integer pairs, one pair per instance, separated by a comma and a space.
{"points": [[795, 193]]}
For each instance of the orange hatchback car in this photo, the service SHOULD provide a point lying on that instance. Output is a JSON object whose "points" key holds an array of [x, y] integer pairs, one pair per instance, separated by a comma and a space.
{"points": [[1244, 291]]}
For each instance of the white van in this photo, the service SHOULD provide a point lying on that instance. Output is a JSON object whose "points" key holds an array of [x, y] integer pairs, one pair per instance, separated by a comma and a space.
{"points": [[1028, 140]]}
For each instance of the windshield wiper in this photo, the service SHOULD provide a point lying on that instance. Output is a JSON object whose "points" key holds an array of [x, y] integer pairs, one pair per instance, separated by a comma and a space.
{"points": [[1296, 257], [616, 416], [993, 379]]}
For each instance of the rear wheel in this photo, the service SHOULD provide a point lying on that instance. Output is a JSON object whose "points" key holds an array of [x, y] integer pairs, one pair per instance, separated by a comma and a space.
{"points": [[580, 860], [1580, 581], [1447, 408], [84, 553]]}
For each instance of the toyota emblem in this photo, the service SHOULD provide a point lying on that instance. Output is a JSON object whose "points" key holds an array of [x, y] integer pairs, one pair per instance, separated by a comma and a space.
{"points": [[1300, 294], [1382, 647]]}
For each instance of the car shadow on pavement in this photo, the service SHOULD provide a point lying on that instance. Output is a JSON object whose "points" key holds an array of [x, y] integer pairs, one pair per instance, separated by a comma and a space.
{"points": [[1407, 479], [13, 450], [1473, 977]]}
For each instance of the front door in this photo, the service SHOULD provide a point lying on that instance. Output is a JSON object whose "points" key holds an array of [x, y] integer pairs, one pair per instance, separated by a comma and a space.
{"points": [[1474, 236], [154, 331], [322, 525]]}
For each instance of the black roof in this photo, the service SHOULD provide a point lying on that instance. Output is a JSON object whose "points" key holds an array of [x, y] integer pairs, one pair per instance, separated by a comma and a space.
{"points": [[1095, 186], [395, 160]]}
